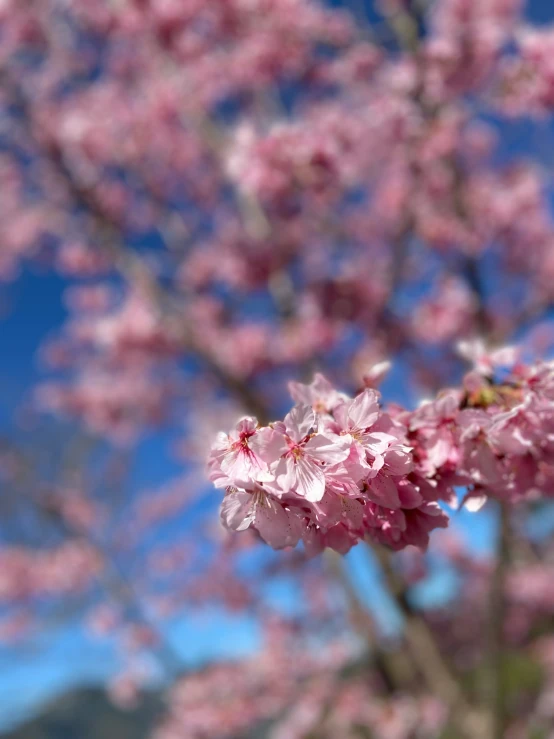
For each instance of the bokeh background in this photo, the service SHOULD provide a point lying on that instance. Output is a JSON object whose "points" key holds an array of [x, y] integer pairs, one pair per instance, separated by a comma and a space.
{"points": [[202, 200]]}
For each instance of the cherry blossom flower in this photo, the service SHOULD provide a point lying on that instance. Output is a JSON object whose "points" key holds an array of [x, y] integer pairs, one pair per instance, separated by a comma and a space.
{"points": [[330, 479], [297, 454], [277, 526], [234, 458]]}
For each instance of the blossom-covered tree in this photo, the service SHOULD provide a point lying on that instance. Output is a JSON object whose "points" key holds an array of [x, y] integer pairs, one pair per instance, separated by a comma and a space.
{"points": [[249, 196]]}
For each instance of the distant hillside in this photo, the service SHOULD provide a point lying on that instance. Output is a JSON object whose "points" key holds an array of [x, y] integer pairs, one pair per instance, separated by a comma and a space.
{"points": [[88, 714]]}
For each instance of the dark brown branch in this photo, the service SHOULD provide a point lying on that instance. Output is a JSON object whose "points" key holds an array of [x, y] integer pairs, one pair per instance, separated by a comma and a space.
{"points": [[473, 278]]}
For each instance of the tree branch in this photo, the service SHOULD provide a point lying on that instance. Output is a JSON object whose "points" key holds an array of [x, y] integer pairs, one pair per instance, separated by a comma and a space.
{"points": [[497, 617], [422, 646], [395, 669]]}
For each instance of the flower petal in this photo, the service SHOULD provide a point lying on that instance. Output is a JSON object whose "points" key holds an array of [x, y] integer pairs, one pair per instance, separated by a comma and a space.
{"points": [[278, 527], [300, 421], [331, 451], [237, 511], [364, 410], [302, 476], [383, 491], [268, 445]]}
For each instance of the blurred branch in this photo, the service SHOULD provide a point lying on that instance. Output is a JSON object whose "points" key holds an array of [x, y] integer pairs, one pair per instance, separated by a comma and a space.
{"points": [[395, 669], [470, 263], [252, 213], [406, 24], [497, 618], [405, 29], [425, 652], [118, 587], [112, 578], [475, 283]]}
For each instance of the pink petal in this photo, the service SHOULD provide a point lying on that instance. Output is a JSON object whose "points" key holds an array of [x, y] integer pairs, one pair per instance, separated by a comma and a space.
{"points": [[269, 445], [247, 425], [399, 463], [353, 513], [340, 414], [473, 502], [237, 464], [409, 495], [300, 421], [328, 511], [374, 376], [378, 442], [319, 392], [331, 451], [383, 491], [340, 539], [364, 410], [277, 527], [439, 448], [236, 510], [302, 476]]}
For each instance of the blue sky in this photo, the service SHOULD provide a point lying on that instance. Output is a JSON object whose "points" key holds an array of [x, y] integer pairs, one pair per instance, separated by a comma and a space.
{"points": [[31, 308]]}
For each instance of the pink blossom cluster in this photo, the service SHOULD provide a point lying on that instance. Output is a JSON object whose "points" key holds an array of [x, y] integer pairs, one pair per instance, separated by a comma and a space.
{"points": [[308, 164], [527, 79], [386, 150], [269, 187], [317, 159], [230, 46], [338, 469], [291, 697], [493, 437], [446, 315], [25, 574], [335, 470], [248, 348], [118, 354], [354, 706], [116, 404], [214, 703], [466, 42]]}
